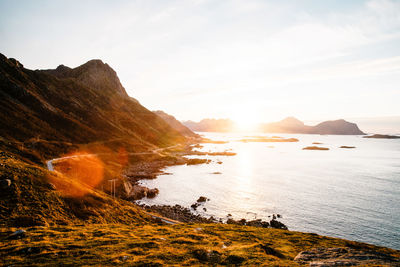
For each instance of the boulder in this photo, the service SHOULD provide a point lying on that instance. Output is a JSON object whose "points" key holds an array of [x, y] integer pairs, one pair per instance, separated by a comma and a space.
{"points": [[17, 234], [6, 183], [202, 199]]}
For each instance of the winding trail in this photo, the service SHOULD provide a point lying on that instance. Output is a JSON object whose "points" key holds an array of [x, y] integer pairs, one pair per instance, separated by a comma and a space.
{"points": [[50, 166]]}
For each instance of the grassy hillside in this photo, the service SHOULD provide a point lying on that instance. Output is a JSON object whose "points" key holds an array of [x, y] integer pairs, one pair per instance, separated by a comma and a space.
{"points": [[152, 245]]}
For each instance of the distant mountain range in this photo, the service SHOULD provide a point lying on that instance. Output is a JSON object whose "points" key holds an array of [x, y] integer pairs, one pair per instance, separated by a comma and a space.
{"points": [[293, 125], [288, 125], [211, 125]]}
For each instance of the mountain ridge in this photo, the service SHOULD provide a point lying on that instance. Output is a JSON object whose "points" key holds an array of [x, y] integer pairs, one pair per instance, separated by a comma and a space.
{"points": [[81, 105], [293, 125]]}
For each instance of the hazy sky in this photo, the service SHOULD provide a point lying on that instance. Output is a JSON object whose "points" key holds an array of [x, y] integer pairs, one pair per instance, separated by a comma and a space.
{"points": [[247, 60]]}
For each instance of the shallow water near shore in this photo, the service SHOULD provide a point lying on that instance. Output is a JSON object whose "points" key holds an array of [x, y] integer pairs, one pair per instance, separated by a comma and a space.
{"points": [[347, 193]]}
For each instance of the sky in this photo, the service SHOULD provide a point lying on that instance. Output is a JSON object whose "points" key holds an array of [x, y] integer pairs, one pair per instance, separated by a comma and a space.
{"points": [[250, 61]]}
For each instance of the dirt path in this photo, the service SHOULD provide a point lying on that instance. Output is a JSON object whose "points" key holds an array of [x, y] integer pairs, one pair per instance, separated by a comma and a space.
{"points": [[50, 166]]}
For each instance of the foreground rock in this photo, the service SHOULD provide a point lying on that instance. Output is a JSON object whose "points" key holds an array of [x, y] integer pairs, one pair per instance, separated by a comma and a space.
{"points": [[259, 223], [345, 257], [347, 147], [202, 199], [382, 136], [185, 215], [178, 213]]}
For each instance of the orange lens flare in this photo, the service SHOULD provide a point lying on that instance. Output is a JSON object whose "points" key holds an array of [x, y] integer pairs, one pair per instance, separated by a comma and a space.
{"points": [[81, 169]]}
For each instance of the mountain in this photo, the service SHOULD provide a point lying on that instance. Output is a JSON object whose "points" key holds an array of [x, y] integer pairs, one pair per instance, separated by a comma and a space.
{"points": [[175, 124], [48, 108], [293, 125], [336, 127], [210, 125], [287, 125]]}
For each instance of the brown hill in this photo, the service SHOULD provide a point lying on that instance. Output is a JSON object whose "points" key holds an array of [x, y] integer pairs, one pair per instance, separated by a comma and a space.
{"points": [[177, 125], [48, 109]]}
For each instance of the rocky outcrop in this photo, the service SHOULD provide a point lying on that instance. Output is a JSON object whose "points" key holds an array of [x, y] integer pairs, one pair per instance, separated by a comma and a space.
{"points": [[94, 74], [343, 256]]}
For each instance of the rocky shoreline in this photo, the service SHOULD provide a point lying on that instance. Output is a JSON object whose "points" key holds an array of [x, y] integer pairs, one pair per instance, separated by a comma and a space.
{"points": [[186, 215]]}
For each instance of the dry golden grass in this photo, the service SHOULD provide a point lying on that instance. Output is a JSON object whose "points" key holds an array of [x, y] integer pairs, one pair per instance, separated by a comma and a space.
{"points": [[150, 245]]}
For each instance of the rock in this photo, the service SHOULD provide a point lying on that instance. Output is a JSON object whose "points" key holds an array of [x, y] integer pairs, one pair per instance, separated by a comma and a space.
{"points": [[17, 234], [204, 209], [234, 259], [152, 193], [52, 186], [139, 192], [258, 223], [207, 255], [277, 224], [216, 173], [219, 162], [347, 147], [202, 199], [195, 206], [6, 183], [271, 251], [343, 256]]}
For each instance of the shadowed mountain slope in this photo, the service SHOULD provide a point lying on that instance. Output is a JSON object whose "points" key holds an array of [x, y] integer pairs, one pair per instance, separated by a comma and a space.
{"points": [[81, 105], [174, 123]]}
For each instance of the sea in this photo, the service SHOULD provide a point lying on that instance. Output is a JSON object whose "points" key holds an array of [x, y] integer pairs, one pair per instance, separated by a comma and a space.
{"points": [[346, 193]]}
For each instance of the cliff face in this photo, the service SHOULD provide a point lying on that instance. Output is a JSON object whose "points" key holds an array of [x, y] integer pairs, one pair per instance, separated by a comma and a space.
{"points": [[81, 105], [175, 124], [293, 125]]}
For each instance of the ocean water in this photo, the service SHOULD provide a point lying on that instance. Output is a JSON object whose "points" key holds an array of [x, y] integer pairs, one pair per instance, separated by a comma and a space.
{"points": [[346, 193]]}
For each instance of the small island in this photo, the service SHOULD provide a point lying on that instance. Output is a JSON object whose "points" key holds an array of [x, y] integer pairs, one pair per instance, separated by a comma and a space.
{"points": [[273, 139], [315, 148], [382, 136]]}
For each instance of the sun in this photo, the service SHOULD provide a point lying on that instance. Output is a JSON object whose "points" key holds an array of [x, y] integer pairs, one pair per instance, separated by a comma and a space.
{"points": [[245, 121]]}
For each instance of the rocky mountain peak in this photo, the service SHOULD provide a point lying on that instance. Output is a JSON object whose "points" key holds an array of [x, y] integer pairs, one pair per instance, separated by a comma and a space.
{"points": [[94, 74]]}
